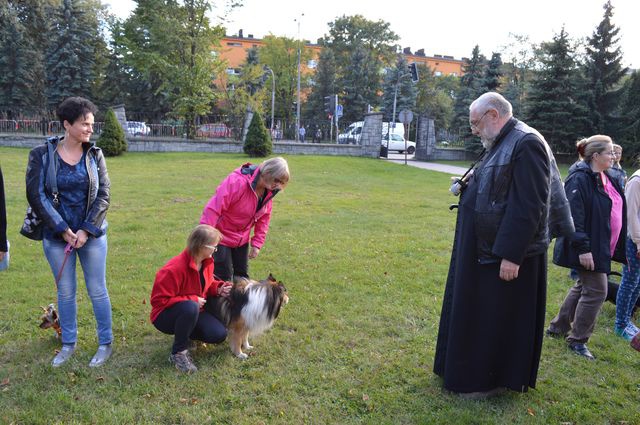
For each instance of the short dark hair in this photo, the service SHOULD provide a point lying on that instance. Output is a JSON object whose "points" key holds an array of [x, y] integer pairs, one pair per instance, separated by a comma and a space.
{"points": [[73, 108]]}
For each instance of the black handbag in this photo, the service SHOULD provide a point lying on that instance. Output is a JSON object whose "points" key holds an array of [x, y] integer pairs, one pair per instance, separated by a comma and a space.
{"points": [[33, 226]]}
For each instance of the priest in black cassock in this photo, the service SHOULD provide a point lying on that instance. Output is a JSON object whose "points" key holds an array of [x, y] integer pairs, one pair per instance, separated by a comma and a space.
{"points": [[493, 311]]}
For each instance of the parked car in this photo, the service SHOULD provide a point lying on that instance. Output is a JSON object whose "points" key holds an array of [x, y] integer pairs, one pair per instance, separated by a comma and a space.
{"points": [[138, 128], [213, 130], [397, 143]]}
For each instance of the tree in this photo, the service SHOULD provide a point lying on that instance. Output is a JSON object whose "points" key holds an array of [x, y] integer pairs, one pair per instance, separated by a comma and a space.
{"points": [[170, 43], [629, 112], [258, 143], [23, 35], [357, 42], [604, 71], [556, 105], [324, 84], [281, 55], [112, 140], [471, 86], [493, 73], [435, 96], [360, 84], [397, 80], [70, 54], [521, 60]]}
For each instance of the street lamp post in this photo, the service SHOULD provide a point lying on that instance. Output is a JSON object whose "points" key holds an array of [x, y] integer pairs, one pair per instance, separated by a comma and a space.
{"points": [[273, 95], [298, 97]]}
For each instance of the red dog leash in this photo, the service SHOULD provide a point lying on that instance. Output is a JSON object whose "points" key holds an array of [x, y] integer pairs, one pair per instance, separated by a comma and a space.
{"points": [[67, 252]]}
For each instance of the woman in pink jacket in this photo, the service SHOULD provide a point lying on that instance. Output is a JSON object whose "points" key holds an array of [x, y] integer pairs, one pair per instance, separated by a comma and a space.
{"points": [[243, 202]]}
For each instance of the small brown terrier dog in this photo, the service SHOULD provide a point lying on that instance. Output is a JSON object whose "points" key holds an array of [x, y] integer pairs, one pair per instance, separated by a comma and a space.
{"points": [[50, 319]]}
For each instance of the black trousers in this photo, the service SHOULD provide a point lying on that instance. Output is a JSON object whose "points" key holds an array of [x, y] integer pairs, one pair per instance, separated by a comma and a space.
{"points": [[185, 321], [229, 262]]}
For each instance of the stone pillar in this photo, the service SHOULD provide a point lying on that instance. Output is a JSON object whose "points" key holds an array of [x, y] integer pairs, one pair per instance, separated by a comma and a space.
{"points": [[426, 143], [121, 116], [371, 136]]}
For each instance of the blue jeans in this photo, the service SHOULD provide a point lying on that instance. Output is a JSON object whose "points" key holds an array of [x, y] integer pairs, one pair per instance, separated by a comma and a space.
{"points": [[93, 259], [629, 287]]}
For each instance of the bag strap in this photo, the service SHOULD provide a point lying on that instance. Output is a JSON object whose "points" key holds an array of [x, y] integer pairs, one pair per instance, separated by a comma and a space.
{"points": [[51, 172]]}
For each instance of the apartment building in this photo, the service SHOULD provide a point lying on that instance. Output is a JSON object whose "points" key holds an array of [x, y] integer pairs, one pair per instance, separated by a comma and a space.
{"points": [[234, 50]]}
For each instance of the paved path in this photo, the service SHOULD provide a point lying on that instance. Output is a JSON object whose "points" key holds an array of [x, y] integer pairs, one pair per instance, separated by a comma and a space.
{"points": [[444, 168]]}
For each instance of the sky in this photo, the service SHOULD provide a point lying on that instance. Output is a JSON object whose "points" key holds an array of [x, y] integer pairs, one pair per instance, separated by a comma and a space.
{"points": [[439, 27]]}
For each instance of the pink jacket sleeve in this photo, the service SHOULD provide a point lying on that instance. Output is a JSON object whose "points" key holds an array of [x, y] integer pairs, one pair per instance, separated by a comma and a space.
{"points": [[261, 228]]}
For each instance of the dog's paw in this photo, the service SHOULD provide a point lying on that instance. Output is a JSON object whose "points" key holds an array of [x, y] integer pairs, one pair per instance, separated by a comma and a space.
{"points": [[247, 347], [242, 356]]}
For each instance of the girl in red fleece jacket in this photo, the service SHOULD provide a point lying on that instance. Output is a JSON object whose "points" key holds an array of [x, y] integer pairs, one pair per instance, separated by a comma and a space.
{"points": [[180, 292]]}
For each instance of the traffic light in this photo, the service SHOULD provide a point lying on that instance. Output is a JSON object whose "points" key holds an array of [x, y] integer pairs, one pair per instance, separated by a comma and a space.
{"points": [[413, 69], [327, 104], [330, 104]]}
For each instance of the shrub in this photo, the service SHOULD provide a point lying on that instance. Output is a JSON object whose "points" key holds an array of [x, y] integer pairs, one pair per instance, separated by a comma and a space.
{"points": [[112, 140], [258, 142]]}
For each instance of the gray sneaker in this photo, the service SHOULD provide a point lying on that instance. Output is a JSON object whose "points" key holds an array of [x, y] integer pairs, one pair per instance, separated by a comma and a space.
{"points": [[63, 355], [183, 362], [101, 356]]}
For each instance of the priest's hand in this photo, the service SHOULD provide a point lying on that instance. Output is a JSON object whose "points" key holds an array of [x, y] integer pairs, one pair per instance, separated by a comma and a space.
{"points": [[586, 261], [508, 270]]}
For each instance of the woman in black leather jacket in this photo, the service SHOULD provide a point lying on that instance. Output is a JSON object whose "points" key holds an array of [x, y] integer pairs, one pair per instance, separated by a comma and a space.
{"points": [[598, 208], [74, 217]]}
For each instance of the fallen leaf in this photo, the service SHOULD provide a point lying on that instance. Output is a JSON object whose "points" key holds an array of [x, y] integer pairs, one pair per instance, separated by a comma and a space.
{"points": [[194, 400], [530, 411], [184, 400], [4, 382], [144, 301], [100, 378], [147, 395], [365, 397]]}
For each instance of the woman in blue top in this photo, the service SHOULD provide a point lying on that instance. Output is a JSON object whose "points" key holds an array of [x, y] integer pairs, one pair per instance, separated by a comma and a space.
{"points": [[75, 216]]}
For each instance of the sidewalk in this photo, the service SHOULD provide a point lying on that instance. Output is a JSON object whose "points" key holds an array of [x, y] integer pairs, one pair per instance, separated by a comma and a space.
{"points": [[449, 169]]}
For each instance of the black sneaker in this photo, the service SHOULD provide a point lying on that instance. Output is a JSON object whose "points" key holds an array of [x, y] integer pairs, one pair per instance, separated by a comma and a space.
{"points": [[183, 362]]}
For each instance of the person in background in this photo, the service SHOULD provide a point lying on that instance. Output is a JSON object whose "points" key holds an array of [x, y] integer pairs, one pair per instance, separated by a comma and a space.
{"points": [[616, 171], [3, 220], [599, 214], [629, 289], [242, 203], [76, 218], [302, 132], [493, 310], [179, 293]]}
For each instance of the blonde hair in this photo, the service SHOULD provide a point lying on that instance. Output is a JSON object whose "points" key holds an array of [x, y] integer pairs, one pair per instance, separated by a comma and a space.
{"points": [[202, 235], [594, 144], [275, 168]]}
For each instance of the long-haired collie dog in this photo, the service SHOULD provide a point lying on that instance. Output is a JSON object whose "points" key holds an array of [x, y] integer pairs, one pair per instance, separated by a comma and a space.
{"points": [[250, 309]]}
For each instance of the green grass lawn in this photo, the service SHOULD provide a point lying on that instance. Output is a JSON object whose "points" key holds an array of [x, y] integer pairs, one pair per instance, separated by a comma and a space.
{"points": [[363, 247]]}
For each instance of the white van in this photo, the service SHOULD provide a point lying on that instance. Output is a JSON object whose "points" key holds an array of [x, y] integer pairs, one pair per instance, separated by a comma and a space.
{"points": [[351, 134], [397, 129]]}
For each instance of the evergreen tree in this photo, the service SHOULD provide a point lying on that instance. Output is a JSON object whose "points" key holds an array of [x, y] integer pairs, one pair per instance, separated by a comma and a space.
{"points": [[70, 55], [604, 71], [360, 84], [112, 140], [258, 143], [493, 73], [471, 87], [22, 32], [519, 68], [324, 84], [397, 79], [629, 123], [555, 104]]}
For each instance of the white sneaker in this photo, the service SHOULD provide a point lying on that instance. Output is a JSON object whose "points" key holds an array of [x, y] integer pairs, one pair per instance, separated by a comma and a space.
{"points": [[63, 355], [101, 356]]}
